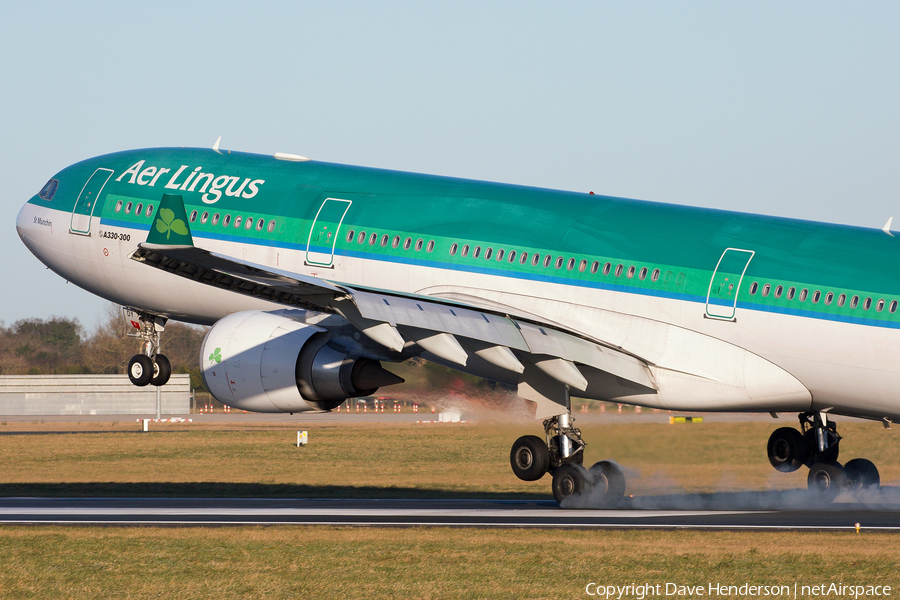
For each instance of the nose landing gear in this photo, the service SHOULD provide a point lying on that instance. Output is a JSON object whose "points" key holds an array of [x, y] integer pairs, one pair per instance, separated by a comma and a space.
{"points": [[562, 455], [816, 445], [149, 367]]}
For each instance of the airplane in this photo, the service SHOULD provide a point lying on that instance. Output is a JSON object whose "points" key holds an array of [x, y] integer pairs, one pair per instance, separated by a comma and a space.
{"points": [[312, 275]]}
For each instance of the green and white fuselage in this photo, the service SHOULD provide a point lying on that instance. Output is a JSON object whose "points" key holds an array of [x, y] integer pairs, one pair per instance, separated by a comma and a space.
{"points": [[720, 311]]}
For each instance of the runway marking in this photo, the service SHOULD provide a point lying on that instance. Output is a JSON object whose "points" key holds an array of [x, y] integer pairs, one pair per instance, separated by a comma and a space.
{"points": [[474, 524], [379, 512]]}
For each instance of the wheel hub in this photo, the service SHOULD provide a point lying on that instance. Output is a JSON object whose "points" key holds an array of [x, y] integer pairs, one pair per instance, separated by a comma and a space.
{"points": [[524, 458]]}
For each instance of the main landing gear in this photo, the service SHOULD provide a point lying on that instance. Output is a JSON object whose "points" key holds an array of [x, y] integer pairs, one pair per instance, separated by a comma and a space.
{"points": [[148, 367], [562, 455], [816, 446]]}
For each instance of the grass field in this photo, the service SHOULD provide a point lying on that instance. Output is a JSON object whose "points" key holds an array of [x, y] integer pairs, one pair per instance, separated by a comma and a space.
{"points": [[378, 460], [326, 562]]}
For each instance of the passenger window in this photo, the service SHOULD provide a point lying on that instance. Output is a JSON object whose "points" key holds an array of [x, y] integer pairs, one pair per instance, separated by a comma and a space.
{"points": [[248, 223], [766, 289], [259, 224], [893, 308], [500, 254], [753, 287], [582, 266], [396, 241], [829, 298], [138, 209], [384, 240], [643, 274], [792, 291], [465, 250], [512, 256], [128, 208], [351, 233], [119, 206], [778, 290], [607, 268], [215, 220], [271, 226], [854, 301], [803, 294], [559, 261], [816, 295], [373, 238], [523, 258], [360, 239], [619, 269], [630, 273], [547, 260], [419, 244], [655, 275], [237, 221], [879, 306], [595, 266], [226, 221], [842, 299], [535, 259], [204, 217], [193, 215], [867, 304], [407, 243], [430, 246], [149, 210], [487, 253], [571, 264], [453, 248], [476, 252]]}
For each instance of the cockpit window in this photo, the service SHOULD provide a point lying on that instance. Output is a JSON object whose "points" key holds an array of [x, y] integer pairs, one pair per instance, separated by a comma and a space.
{"points": [[49, 189]]}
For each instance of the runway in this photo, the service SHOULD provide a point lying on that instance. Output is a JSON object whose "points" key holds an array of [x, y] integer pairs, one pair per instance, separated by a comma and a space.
{"points": [[443, 513]]}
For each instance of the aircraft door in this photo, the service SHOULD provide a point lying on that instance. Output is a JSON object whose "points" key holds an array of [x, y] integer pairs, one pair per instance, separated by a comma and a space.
{"points": [[721, 299], [323, 234], [87, 202]]}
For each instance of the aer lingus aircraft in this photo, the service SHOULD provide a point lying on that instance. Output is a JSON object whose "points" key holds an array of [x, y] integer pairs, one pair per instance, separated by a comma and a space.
{"points": [[314, 274]]}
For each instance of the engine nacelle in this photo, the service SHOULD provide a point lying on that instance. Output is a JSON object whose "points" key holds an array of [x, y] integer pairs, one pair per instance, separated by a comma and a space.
{"points": [[269, 362]]}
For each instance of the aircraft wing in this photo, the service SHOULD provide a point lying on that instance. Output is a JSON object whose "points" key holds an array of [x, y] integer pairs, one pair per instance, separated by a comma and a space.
{"points": [[544, 360]]}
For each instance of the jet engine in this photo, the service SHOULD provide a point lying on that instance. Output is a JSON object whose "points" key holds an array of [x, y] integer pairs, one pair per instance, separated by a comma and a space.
{"points": [[270, 362]]}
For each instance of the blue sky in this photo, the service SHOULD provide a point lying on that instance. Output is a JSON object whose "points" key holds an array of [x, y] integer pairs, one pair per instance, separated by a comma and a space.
{"points": [[772, 107]]}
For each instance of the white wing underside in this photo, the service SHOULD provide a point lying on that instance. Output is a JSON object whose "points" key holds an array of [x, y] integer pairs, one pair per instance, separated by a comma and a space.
{"points": [[495, 338]]}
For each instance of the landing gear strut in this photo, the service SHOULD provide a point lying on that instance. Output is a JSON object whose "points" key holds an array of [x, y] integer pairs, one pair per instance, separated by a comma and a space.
{"points": [[562, 455], [148, 367], [816, 445]]}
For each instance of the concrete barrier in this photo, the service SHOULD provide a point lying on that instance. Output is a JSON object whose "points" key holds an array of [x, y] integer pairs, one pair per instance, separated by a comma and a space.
{"points": [[48, 395]]}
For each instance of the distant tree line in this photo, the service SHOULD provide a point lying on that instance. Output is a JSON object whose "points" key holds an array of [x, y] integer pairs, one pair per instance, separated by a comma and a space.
{"points": [[60, 345]]}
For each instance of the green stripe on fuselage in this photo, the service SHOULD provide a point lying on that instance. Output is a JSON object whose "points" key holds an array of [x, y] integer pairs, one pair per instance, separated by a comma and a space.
{"points": [[684, 243]]}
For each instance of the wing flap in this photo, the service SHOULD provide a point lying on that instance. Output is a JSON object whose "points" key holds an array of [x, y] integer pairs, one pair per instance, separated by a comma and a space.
{"points": [[434, 316]]}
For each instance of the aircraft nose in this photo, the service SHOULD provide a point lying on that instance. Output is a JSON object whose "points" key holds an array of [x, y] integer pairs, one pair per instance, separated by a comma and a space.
{"points": [[22, 221]]}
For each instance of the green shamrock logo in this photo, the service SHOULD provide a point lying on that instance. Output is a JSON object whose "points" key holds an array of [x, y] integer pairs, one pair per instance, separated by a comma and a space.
{"points": [[167, 223], [216, 356]]}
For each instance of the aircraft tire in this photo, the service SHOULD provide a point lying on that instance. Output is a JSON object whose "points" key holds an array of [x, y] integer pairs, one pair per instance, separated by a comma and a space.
{"points": [[162, 370], [862, 474], [570, 480], [826, 480], [140, 370], [608, 481], [529, 458], [787, 449]]}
